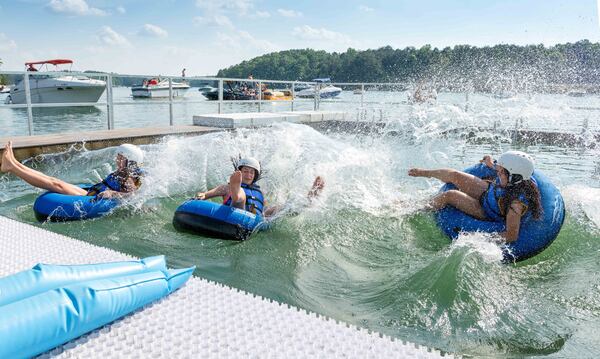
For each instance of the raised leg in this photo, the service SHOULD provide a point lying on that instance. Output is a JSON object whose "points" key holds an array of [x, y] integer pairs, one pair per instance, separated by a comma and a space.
{"points": [[35, 178], [238, 196], [467, 183]]}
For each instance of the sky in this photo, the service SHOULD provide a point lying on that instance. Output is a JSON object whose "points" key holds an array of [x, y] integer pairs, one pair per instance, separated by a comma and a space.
{"points": [[151, 37]]}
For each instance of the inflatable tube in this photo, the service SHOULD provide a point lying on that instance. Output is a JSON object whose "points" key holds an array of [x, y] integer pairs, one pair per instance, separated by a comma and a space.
{"points": [[36, 324], [56, 207], [44, 277], [215, 220], [534, 235]]}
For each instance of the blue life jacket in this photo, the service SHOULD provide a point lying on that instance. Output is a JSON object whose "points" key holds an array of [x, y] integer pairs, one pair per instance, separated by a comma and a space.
{"points": [[110, 182], [492, 201], [254, 199]]}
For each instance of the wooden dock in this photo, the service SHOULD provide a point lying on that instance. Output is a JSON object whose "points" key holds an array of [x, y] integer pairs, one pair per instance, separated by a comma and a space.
{"points": [[30, 146]]}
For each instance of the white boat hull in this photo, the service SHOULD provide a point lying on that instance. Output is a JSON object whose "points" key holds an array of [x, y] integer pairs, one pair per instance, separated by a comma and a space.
{"points": [[145, 92], [326, 92], [58, 90], [160, 90]]}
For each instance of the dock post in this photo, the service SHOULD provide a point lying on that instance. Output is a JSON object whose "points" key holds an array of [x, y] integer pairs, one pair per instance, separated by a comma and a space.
{"points": [[170, 102], [293, 95], [220, 95], [28, 100], [259, 95], [316, 95], [362, 95], [110, 115]]}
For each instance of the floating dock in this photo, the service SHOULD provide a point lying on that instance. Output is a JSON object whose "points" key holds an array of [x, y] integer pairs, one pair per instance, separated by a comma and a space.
{"points": [[201, 320], [30, 146]]}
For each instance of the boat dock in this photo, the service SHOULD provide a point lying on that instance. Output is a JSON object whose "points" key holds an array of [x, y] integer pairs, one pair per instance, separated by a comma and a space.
{"points": [[30, 146], [202, 319]]}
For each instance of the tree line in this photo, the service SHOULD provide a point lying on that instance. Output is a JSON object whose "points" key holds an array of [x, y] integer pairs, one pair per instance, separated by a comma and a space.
{"points": [[462, 67]]}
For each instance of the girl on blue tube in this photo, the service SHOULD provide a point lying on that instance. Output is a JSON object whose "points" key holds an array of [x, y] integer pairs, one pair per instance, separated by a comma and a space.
{"points": [[510, 197]]}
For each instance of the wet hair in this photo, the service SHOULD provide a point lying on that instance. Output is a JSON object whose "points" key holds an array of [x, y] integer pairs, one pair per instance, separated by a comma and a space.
{"points": [[518, 186]]}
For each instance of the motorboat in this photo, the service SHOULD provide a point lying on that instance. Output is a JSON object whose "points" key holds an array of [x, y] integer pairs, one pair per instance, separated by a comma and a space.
{"points": [[577, 93], [325, 90], [206, 88], [46, 87], [4, 89], [233, 92], [157, 87], [230, 95], [358, 92]]}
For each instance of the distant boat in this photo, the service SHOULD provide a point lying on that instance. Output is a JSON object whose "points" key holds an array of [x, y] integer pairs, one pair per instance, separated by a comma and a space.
{"points": [[576, 93], [156, 88], [503, 95], [46, 87], [230, 94], [206, 88], [358, 92], [325, 90]]}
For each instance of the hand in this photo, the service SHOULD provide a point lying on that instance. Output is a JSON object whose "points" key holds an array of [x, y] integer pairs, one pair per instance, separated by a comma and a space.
{"points": [[416, 172], [200, 195], [487, 160], [106, 194]]}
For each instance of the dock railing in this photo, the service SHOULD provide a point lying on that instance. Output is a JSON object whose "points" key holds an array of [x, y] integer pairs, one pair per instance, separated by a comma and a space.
{"points": [[252, 86]]}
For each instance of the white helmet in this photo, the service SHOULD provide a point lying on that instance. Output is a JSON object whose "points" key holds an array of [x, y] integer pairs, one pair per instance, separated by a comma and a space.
{"points": [[252, 163], [131, 152], [517, 163]]}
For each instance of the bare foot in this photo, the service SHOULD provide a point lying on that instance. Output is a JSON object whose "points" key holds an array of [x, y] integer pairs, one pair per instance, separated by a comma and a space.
{"points": [[317, 187], [7, 158], [417, 172], [235, 183]]}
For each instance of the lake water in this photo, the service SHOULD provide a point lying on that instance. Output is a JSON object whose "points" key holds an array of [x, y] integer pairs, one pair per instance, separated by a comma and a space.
{"points": [[365, 252]]}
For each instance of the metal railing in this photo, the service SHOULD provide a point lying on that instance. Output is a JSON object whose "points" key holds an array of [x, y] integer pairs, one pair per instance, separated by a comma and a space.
{"points": [[254, 84]]}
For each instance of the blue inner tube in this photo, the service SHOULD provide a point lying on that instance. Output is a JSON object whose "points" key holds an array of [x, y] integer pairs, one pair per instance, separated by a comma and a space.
{"points": [[215, 220], [56, 207], [534, 235]]}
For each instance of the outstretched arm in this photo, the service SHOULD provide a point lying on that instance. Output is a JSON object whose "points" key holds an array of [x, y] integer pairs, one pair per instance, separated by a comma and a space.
{"points": [[219, 191]]}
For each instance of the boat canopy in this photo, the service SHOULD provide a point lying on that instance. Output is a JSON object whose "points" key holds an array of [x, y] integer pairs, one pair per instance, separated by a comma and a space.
{"points": [[325, 79], [51, 62]]}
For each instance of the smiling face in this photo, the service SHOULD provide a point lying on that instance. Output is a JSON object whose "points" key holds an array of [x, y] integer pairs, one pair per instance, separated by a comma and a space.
{"points": [[502, 175], [248, 174]]}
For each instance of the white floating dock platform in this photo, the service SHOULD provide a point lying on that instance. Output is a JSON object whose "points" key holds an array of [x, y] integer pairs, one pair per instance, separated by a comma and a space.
{"points": [[259, 119], [201, 320]]}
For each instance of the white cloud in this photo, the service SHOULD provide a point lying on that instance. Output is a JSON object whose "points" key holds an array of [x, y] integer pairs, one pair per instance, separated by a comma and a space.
{"points": [[289, 13], [310, 33], [150, 30], [243, 39], [214, 20], [121, 10], [74, 7], [239, 6], [110, 37], [262, 14], [6, 44], [365, 8]]}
